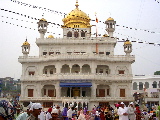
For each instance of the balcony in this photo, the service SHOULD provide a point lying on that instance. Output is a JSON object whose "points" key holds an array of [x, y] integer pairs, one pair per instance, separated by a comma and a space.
{"points": [[78, 76], [76, 99], [70, 40], [73, 57]]}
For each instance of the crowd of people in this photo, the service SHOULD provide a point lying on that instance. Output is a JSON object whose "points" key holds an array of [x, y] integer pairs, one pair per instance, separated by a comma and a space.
{"points": [[34, 111]]}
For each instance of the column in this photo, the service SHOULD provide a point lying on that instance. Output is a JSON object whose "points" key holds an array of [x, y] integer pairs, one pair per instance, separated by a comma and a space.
{"points": [[80, 91], [58, 90], [93, 90]]}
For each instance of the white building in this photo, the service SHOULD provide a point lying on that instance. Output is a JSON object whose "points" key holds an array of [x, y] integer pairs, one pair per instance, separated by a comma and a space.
{"points": [[77, 68], [149, 88]]}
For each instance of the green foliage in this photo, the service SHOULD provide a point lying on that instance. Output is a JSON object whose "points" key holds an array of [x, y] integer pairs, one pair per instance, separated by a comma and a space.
{"points": [[157, 73]]}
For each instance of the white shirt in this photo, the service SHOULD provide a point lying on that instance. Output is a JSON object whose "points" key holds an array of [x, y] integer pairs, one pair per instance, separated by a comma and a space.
{"points": [[22, 116], [41, 116], [120, 113], [48, 116]]}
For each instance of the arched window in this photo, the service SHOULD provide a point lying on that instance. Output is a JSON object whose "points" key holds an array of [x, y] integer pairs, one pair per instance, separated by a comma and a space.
{"points": [[154, 84], [134, 86], [110, 25], [82, 34], [76, 34], [140, 86], [69, 34]]}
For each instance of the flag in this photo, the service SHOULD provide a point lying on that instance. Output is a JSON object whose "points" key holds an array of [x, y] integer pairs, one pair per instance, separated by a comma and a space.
{"points": [[96, 19]]}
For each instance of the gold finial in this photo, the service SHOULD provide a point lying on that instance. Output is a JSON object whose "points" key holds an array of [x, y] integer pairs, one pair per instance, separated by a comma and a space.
{"points": [[76, 4]]}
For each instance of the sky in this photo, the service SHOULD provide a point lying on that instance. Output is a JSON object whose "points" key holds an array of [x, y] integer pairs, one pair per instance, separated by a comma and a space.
{"points": [[143, 15]]}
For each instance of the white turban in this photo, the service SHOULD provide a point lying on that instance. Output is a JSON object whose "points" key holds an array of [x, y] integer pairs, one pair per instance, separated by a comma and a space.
{"points": [[55, 111], [36, 106], [132, 103], [122, 102]]}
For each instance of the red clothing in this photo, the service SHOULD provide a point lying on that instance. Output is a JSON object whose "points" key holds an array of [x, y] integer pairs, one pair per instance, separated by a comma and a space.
{"points": [[102, 115]]}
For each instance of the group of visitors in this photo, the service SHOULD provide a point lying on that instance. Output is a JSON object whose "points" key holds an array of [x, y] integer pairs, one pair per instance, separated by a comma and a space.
{"points": [[34, 111]]}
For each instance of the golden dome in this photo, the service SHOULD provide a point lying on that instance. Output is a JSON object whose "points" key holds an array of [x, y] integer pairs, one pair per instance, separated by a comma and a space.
{"points": [[77, 19], [105, 35], [127, 42], [43, 20], [109, 19], [26, 43], [50, 36]]}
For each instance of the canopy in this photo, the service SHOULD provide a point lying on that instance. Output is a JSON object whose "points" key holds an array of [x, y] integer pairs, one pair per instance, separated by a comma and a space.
{"points": [[86, 84]]}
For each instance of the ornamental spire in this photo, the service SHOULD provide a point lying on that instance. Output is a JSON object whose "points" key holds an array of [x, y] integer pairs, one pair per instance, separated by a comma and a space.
{"points": [[76, 4]]}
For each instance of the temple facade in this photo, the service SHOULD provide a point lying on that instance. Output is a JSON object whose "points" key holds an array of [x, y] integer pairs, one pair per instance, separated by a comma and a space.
{"points": [[78, 68]]}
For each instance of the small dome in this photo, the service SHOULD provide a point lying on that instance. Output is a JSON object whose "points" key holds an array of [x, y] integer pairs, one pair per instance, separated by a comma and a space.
{"points": [[26, 43], [50, 36], [105, 35], [43, 20], [110, 19], [127, 42]]}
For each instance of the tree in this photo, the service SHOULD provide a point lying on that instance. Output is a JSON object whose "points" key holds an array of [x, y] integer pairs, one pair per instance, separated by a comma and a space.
{"points": [[157, 73]]}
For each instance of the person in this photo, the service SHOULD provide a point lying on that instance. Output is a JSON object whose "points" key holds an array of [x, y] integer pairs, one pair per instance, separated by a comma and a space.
{"points": [[116, 116], [42, 115], [131, 112], [35, 110], [6, 110], [158, 112], [138, 112], [25, 115], [123, 112], [70, 112], [88, 116], [55, 114], [81, 115], [74, 117], [64, 113], [48, 115], [18, 112]]}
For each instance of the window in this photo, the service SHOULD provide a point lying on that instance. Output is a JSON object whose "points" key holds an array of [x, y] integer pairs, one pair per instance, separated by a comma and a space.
{"points": [[101, 71], [47, 104], [107, 91], [44, 91], [107, 53], [58, 53], [31, 72], [101, 92], [51, 93], [51, 53], [83, 34], [44, 53], [76, 34], [101, 52], [69, 34], [121, 71], [30, 92], [51, 71], [122, 92], [45, 72]]}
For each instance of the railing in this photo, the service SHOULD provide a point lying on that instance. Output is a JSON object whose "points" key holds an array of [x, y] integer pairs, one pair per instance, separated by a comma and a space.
{"points": [[76, 98], [55, 57], [69, 40], [77, 76]]}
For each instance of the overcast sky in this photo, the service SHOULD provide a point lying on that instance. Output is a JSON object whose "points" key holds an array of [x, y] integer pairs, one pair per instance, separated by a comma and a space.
{"points": [[140, 14]]}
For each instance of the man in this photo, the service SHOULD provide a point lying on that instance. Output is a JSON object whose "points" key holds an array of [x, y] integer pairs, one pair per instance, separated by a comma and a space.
{"points": [[131, 112], [35, 110], [48, 115], [123, 112], [26, 114]]}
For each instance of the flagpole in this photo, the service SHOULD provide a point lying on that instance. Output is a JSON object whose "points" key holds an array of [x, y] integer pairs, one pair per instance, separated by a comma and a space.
{"points": [[96, 33]]}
